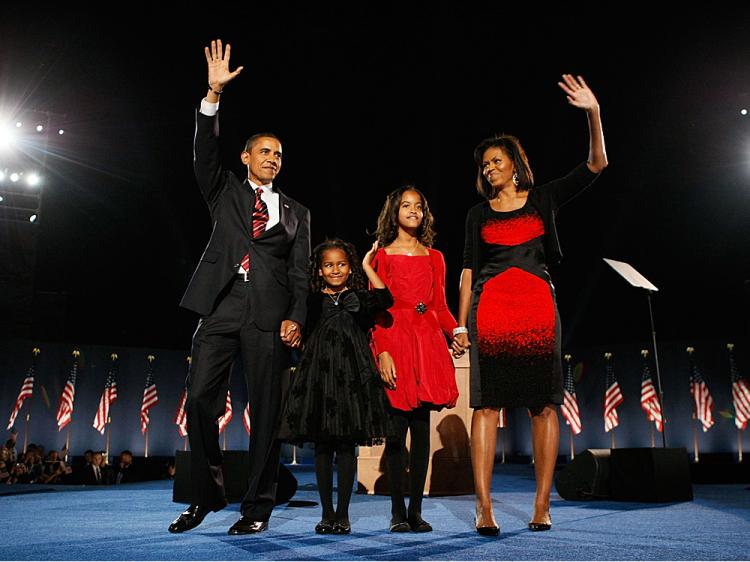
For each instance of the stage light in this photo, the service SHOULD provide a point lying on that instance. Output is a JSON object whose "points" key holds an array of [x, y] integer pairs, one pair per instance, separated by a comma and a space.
{"points": [[39, 128], [7, 137], [33, 179], [32, 218], [61, 132], [14, 177], [743, 112], [2, 175], [19, 124], [1, 198]]}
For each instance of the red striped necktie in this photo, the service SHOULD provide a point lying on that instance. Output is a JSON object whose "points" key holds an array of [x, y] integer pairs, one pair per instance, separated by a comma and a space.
{"points": [[260, 220]]}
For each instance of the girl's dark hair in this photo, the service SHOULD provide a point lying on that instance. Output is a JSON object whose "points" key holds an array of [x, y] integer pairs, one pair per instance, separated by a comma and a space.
{"points": [[356, 280], [387, 228], [512, 147]]}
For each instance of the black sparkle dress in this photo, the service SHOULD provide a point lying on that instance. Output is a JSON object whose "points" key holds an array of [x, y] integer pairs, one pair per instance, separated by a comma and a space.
{"points": [[336, 392]]}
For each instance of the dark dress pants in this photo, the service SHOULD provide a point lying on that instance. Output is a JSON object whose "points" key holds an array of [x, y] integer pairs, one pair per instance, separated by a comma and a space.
{"points": [[229, 329]]}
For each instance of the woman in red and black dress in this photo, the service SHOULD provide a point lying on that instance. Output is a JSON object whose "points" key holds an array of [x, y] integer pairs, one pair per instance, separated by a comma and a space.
{"points": [[507, 301], [413, 356]]}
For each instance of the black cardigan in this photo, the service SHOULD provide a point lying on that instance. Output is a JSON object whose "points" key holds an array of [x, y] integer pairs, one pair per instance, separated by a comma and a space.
{"points": [[546, 199]]}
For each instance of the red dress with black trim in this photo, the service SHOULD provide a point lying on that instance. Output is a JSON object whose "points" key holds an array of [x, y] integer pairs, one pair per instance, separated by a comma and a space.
{"points": [[413, 329], [513, 319]]}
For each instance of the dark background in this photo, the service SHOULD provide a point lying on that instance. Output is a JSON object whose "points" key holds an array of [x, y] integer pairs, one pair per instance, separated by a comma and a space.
{"points": [[366, 99]]}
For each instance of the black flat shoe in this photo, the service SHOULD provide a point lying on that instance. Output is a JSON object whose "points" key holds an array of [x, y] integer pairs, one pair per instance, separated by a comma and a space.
{"points": [[325, 527], [247, 526], [539, 526], [399, 525], [419, 525], [192, 517], [342, 527]]}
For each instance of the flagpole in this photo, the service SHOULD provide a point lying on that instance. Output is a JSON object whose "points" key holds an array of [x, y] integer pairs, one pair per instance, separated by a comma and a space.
{"points": [[106, 450], [294, 454], [146, 453], [26, 432], [695, 443], [653, 442], [572, 449], [67, 444], [186, 442], [613, 437], [739, 445], [730, 347], [225, 439]]}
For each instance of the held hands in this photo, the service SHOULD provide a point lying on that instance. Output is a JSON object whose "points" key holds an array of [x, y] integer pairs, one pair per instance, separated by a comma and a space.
{"points": [[460, 344], [387, 370], [579, 94], [291, 333], [218, 66]]}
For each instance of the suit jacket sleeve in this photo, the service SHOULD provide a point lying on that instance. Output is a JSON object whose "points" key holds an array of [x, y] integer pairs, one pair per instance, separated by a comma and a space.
{"points": [[297, 268], [562, 190], [206, 163]]}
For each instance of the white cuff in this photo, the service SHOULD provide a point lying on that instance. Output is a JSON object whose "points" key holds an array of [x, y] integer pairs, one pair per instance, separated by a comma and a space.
{"points": [[209, 109]]}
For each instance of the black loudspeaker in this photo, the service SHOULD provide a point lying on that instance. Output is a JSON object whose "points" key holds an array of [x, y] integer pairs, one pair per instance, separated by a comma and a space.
{"points": [[235, 468], [586, 477], [650, 475], [637, 475]]}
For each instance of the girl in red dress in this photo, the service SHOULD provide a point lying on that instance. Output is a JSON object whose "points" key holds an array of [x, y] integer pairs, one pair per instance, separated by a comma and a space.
{"points": [[410, 345]]}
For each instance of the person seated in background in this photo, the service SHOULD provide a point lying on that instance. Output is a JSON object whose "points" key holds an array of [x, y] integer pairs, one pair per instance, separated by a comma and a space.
{"points": [[4, 472], [19, 474], [34, 463], [93, 472], [125, 471]]}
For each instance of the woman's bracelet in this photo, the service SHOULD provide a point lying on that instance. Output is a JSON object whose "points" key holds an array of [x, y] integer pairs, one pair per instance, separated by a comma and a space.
{"points": [[460, 330]]}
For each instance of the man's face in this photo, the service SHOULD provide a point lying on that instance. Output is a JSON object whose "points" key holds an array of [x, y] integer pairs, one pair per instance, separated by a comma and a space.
{"points": [[97, 459], [126, 459], [263, 160]]}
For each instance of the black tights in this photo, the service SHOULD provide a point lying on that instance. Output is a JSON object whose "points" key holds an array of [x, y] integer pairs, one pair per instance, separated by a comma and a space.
{"points": [[324, 474], [418, 423]]}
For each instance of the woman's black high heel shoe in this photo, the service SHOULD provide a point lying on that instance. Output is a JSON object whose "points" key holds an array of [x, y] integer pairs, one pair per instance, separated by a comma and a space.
{"points": [[325, 527], [540, 526], [486, 530]]}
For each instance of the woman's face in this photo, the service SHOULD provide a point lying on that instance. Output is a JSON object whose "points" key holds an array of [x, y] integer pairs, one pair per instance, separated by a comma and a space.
{"points": [[410, 212], [497, 167], [335, 268]]}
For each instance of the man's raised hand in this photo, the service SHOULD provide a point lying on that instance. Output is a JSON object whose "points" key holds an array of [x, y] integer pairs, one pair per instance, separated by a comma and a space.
{"points": [[218, 66]]}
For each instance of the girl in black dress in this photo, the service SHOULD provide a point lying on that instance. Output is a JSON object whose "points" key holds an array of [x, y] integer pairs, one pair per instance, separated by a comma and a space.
{"points": [[507, 302], [336, 399]]}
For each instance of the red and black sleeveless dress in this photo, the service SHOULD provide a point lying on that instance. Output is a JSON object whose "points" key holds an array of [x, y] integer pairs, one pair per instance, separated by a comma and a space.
{"points": [[514, 324]]}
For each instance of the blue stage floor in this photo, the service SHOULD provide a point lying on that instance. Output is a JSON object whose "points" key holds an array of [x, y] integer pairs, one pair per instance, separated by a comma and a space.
{"points": [[129, 522]]}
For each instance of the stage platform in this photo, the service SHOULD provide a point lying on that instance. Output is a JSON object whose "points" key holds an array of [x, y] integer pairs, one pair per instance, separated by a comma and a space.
{"points": [[129, 522]]}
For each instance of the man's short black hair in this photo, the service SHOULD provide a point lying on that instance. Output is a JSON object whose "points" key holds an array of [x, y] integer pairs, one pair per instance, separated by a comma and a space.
{"points": [[251, 141]]}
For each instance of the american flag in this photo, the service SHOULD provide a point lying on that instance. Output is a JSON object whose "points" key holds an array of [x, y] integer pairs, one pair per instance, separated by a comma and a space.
{"points": [[246, 418], [649, 398], [149, 395], [109, 395], [703, 403], [227, 417], [502, 419], [612, 398], [740, 393], [570, 403], [180, 418], [65, 409], [27, 389]]}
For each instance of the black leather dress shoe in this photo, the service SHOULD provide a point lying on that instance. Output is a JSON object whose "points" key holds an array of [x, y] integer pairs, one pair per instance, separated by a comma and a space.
{"points": [[399, 525], [247, 526], [342, 527], [325, 527], [192, 517], [419, 525]]}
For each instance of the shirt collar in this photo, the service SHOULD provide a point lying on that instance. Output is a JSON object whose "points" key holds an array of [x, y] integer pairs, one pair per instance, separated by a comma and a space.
{"points": [[268, 187]]}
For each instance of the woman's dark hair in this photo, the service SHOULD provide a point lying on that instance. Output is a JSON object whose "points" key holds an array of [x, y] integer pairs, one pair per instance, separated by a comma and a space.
{"points": [[512, 147], [387, 228], [356, 280]]}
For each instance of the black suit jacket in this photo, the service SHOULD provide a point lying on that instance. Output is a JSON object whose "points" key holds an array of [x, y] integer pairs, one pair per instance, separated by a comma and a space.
{"points": [[278, 258]]}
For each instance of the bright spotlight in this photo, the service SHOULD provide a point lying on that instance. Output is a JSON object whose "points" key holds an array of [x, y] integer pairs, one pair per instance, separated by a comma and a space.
{"points": [[14, 177], [7, 136], [32, 218], [39, 128], [19, 124], [743, 112], [2, 175], [1, 198], [61, 132], [33, 179]]}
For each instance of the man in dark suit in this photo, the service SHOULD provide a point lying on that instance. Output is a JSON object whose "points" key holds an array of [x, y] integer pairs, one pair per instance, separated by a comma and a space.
{"points": [[250, 289]]}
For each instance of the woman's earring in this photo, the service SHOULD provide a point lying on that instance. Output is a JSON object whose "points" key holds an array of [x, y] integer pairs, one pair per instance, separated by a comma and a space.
{"points": [[515, 179]]}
